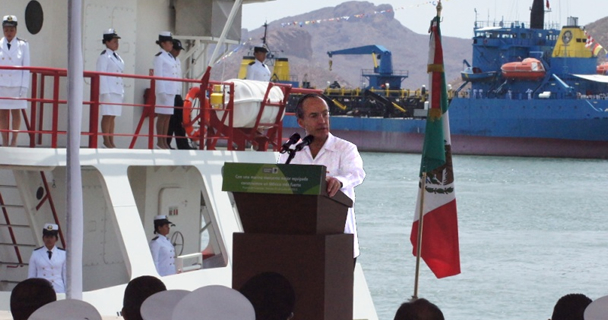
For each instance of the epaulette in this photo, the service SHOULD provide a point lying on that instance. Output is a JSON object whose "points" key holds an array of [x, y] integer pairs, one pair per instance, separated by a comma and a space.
{"points": [[158, 54], [103, 52], [21, 39], [251, 63], [154, 238], [38, 248], [62, 249]]}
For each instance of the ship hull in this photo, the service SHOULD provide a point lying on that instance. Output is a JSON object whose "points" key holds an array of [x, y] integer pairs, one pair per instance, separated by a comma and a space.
{"points": [[560, 128]]}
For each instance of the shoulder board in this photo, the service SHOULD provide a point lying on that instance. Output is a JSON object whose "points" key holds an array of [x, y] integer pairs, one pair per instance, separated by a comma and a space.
{"points": [[251, 63], [38, 248], [103, 52], [62, 249], [21, 39], [158, 54], [154, 238]]}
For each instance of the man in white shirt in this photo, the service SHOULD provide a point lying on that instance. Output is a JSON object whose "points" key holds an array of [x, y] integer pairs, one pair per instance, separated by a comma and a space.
{"points": [[163, 252], [257, 70], [48, 261], [342, 159]]}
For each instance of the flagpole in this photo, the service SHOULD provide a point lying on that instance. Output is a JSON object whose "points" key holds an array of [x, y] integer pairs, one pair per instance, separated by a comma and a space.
{"points": [[421, 212], [419, 239]]}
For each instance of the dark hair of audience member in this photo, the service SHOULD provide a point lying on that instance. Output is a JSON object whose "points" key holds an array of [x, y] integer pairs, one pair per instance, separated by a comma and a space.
{"points": [[137, 291], [571, 307], [419, 309], [271, 295], [29, 295]]}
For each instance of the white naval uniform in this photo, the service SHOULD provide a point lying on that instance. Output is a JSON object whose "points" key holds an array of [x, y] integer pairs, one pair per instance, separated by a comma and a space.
{"points": [[111, 89], [344, 163], [165, 65], [163, 254], [53, 270], [14, 83], [258, 71]]}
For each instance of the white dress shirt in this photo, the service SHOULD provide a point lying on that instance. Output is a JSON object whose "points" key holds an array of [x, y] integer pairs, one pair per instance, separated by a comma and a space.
{"points": [[344, 163]]}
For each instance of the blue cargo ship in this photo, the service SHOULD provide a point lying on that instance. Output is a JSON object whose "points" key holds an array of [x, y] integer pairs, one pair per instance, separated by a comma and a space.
{"points": [[530, 90]]}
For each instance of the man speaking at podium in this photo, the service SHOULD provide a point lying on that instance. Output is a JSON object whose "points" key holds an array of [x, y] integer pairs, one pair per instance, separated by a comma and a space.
{"points": [[342, 159]]}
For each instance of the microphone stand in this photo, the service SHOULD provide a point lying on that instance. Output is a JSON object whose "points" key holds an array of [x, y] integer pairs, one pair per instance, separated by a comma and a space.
{"points": [[292, 153]]}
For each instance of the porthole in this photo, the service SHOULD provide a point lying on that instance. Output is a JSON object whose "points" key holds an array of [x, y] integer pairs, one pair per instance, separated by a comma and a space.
{"points": [[34, 17]]}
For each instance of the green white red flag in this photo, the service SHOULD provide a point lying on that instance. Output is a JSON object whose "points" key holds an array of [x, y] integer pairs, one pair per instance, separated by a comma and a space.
{"points": [[440, 248]]}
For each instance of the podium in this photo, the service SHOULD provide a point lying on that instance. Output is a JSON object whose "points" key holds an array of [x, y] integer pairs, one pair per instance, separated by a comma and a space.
{"points": [[292, 227]]}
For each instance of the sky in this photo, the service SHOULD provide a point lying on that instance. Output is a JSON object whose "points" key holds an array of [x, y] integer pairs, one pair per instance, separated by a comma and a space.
{"points": [[458, 15]]}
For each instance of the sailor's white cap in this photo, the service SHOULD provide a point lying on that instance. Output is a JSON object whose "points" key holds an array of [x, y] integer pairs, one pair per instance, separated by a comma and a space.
{"points": [[598, 309], [162, 219], [214, 302], [160, 305], [164, 36], [109, 34], [66, 310], [9, 20], [260, 48], [50, 227]]}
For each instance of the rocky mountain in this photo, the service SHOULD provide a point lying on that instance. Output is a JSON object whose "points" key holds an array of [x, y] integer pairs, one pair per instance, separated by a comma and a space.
{"points": [[307, 46]]}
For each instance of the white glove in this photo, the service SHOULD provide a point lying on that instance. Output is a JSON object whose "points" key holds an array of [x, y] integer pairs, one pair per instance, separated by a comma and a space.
{"points": [[22, 92]]}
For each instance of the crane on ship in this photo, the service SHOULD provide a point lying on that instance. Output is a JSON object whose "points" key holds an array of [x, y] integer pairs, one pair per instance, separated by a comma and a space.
{"points": [[382, 96], [382, 76]]}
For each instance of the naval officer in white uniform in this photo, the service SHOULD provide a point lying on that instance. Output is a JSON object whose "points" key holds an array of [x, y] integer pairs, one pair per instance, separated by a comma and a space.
{"points": [[48, 261], [165, 65], [257, 70], [163, 252], [111, 89], [13, 83]]}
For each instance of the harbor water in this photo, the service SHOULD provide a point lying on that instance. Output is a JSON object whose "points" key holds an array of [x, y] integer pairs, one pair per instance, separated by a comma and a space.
{"points": [[531, 230]]}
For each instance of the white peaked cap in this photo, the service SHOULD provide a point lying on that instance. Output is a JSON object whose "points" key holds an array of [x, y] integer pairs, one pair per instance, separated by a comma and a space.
{"points": [[51, 227], [598, 309], [160, 305], [66, 310], [9, 18], [212, 303]]}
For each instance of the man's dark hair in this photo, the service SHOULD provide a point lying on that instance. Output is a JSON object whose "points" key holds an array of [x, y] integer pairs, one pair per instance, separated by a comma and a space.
{"points": [[271, 295], [29, 295], [300, 105], [137, 291], [419, 309], [571, 307]]}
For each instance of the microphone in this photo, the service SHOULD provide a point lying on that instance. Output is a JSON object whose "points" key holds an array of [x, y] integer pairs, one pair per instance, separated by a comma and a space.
{"points": [[292, 140], [306, 141]]}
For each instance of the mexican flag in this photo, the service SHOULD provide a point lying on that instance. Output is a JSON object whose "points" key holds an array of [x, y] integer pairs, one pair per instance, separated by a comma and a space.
{"points": [[436, 197]]}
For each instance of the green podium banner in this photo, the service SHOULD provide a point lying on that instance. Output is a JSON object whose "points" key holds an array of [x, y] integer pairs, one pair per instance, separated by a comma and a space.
{"points": [[273, 178]]}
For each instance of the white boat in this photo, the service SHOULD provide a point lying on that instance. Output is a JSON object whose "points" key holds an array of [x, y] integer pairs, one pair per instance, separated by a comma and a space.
{"points": [[123, 189]]}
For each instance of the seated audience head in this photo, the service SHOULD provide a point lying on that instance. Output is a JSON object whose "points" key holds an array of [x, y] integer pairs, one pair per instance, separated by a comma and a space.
{"points": [[419, 309], [66, 310], [29, 295], [272, 296], [137, 291], [212, 303], [160, 305], [598, 309], [570, 307]]}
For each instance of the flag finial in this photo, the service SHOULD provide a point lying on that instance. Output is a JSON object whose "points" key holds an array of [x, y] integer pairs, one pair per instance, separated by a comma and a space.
{"points": [[439, 7]]}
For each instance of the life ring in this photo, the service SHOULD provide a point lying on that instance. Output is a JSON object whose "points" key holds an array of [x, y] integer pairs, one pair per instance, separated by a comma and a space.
{"points": [[187, 122]]}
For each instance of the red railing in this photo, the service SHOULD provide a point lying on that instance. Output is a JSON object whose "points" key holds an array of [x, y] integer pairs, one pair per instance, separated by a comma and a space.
{"points": [[48, 81]]}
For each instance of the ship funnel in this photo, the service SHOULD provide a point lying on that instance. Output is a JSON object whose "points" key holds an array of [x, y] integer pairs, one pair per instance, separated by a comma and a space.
{"points": [[573, 21], [537, 15]]}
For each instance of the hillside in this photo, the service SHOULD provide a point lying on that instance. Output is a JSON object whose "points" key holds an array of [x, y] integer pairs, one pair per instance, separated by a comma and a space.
{"points": [[307, 46]]}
